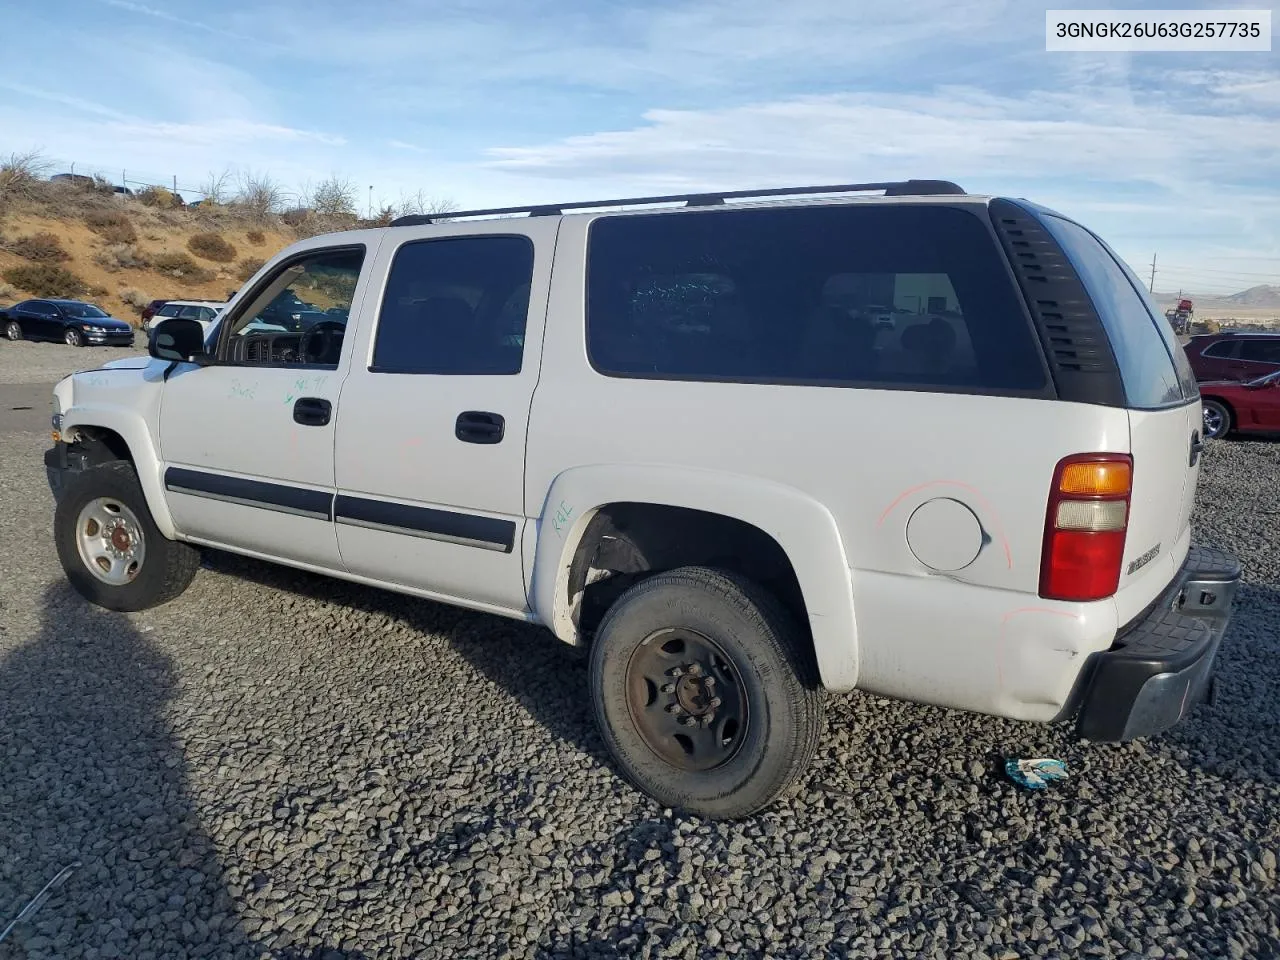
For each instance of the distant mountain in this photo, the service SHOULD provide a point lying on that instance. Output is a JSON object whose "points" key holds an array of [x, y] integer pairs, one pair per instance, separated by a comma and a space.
{"points": [[1263, 295]]}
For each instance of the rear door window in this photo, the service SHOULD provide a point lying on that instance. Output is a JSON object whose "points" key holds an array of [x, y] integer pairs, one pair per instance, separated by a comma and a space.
{"points": [[1149, 368], [895, 296], [1222, 350], [1260, 351]]}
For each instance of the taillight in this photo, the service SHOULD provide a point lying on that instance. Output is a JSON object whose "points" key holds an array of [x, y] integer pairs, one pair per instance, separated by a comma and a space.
{"points": [[1085, 526]]}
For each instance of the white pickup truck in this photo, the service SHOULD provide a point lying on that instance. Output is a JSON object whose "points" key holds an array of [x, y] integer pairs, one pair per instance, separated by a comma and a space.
{"points": [[746, 448]]}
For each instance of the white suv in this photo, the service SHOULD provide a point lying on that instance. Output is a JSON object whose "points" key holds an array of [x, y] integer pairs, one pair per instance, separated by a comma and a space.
{"points": [[205, 312], [746, 448]]}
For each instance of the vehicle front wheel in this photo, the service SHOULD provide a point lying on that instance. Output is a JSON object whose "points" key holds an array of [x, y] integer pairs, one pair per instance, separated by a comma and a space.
{"points": [[73, 337], [1217, 419], [705, 692], [110, 547], [13, 330]]}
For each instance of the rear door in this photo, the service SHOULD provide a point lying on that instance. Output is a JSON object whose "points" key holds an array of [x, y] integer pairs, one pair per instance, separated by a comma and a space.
{"points": [[1259, 356], [1165, 420], [430, 444]]}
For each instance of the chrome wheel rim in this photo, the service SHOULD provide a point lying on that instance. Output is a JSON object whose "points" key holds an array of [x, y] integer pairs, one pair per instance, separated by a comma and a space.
{"points": [[13, 331], [71, 337], [1213, 421], [110, 541]]}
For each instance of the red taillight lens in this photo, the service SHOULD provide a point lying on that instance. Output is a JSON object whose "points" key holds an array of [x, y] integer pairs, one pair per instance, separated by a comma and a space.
{"points": [[1085, 526]]}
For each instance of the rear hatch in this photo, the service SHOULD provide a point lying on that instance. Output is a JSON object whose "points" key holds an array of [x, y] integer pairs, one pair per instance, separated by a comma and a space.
{"points": [[1165, 419]]}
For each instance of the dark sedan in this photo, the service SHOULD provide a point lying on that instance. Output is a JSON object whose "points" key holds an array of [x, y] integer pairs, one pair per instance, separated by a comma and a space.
{"points": [[71, 321]]}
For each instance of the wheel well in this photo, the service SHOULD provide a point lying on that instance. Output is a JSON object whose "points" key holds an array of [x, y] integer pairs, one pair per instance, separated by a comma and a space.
{"points": [[626, 542], [100, 445], [1225, 404]]}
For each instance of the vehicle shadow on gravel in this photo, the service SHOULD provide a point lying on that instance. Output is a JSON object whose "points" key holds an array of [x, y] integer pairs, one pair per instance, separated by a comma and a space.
{"points": [[547, 677], [92, 772]]}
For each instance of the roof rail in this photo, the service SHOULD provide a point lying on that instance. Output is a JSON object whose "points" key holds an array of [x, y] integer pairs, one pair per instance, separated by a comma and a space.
{"points": [[896, 188]]}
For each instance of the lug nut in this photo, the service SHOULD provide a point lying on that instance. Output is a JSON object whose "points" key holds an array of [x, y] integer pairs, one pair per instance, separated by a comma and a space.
{"points": [[668, 688], [676, 672], [674, 708], [715, 702], [709, 682], [695, 670], [706, 719]]}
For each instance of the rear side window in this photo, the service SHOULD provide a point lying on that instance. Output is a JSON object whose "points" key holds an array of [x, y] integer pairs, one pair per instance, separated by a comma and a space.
{"points": [[1222, 350], [1262, 351], [898, 296], [1147, 364], [455, 306]]}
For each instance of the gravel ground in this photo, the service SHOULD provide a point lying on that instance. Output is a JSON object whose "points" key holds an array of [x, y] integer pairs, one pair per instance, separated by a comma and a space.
{"points": [[30, 362], [279, 765]]}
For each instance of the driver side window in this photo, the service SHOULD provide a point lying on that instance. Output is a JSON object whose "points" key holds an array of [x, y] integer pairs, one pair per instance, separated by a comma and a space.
{"points": [[298, 314]]}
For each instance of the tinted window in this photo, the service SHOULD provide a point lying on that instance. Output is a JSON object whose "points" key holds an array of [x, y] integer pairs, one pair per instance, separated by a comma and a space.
{"points": [[455, 306], [1265, 351], [904, 295], [168, 310], [1146, 364], [1223, 349], [82, 310]]}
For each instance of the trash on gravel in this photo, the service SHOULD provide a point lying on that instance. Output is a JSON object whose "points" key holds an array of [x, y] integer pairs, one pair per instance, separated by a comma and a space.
{"points": [[1035, 774], [38, 900]]}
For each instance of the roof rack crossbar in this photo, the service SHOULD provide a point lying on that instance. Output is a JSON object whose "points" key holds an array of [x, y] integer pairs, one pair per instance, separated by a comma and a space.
{"points": [[895, 188]]}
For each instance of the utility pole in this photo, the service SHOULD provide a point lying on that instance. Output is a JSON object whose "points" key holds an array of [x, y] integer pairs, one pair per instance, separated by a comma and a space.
{"points": [[369, 209], [1151, 287]]}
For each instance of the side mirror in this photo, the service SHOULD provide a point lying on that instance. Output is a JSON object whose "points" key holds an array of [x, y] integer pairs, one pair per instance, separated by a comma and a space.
{"points": [[177, 339]]}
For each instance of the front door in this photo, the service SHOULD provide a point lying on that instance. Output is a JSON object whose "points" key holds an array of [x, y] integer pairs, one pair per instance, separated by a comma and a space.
{"points": [[247, 440], [431, 435]]}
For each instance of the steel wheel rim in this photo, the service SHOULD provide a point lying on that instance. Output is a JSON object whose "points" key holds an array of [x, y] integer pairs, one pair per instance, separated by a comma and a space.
{"points": [[686, 699], [110, 541], [1212, 420]]}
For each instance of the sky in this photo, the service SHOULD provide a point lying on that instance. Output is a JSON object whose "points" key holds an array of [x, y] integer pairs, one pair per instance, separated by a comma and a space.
{"points": [[1171, 155]]}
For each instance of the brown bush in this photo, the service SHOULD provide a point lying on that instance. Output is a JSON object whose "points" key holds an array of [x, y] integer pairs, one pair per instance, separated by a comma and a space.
{"points": [[7, 290], [256, 237], [121, 256], [133, 297], [45, 280], [247, 267], [96, 291], [181, 266], [212, 246], [43, 247], [114, 227], [159, 197]]}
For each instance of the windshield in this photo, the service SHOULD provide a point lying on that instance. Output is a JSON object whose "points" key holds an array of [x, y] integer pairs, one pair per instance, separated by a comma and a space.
{"points": [[82, 310]]}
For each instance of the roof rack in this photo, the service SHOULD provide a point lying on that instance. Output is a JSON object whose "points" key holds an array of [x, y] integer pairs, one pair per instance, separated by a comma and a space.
{"points": [[896, 188]]}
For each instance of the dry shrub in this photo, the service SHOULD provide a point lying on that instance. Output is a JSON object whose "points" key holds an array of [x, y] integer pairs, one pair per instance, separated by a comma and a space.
{"points": [[121, 256], [212, 246], [43, 247], [7, 290], [180, 266], [256, 237], [247, 267], [45, 280], [133, 297], [159, 197], [22, 175], [96, 291], [112, 226]]}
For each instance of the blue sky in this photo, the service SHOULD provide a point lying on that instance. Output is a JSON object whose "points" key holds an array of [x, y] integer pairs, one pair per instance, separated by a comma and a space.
{"points": [[502, 102]]}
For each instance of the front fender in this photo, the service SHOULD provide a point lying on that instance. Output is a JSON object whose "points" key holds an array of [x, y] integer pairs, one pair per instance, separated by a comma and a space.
{"points": [[802, 526], [125, 400]]}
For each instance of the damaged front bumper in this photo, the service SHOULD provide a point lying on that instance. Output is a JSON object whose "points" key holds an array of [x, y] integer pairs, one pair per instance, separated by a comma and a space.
{"points": [[1163, 664]]}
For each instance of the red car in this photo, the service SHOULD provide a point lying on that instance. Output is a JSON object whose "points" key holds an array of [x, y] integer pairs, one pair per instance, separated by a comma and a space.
{"points": [[1249, 407], [150, 309], [1233, 356]]}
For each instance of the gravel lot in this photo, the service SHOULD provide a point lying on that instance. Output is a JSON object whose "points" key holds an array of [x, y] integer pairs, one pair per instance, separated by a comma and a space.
{"points": [[30, 362], [279, 765]]}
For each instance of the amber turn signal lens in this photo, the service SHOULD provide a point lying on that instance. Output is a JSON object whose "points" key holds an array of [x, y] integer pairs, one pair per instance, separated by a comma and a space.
{"points": [[1109, 479]]}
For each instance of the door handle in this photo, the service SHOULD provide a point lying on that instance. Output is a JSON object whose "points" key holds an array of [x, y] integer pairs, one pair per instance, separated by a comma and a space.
{"points": [[478, 426], [312, 411]]}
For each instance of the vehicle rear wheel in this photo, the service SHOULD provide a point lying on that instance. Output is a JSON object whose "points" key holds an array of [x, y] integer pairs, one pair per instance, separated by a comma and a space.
{"points": [[13, 330], [1217, 419], [109, 546], [705, 692], [73, 337]]}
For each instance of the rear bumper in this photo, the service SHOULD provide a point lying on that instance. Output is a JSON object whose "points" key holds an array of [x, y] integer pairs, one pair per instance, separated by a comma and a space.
{"points": [[1163, 665]]}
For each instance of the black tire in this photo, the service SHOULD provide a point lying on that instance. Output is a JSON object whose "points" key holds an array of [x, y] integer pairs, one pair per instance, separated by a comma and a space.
{"points": [[772, 673], [1218, 414], [167, 567], [13, 330], [73, 337]]}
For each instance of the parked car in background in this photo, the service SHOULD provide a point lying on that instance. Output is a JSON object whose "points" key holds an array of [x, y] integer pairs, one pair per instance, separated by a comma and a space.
{"points": [[74, 322], [202, 311], [1233, 356], [150, 309], [1252, 406]]}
